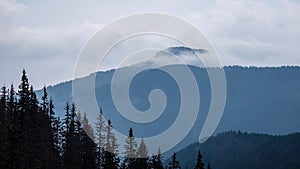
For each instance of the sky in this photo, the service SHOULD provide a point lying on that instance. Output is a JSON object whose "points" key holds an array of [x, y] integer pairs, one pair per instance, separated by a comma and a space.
{"points": [[45, 37]]}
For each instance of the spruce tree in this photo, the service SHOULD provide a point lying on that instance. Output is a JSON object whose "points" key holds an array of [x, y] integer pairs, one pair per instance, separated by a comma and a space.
{"points": [[74, 141], [111, 159], [25, 125], [208, 166], [8, 135], [142, 156], [130, 151], [159, 160], [44, 140], [55, 131], [11, 109], [45, 102], [100, 139], [199, 164], [3, 128], [174, 163], [3, 106], [39, 134], [88, 154], [156, 161], [67, 139]]}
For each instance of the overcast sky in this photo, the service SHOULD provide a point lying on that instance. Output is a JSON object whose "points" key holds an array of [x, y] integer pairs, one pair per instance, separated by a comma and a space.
{"points": [[45, 37]]}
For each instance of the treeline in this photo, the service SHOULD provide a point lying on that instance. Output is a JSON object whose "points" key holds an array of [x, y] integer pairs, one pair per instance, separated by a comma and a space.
{"points": [[236, 150], [33, 137]]}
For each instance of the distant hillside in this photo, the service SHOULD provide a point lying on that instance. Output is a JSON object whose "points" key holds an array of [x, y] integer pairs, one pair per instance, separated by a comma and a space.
{"points": [[236, 150], [259, 100]]}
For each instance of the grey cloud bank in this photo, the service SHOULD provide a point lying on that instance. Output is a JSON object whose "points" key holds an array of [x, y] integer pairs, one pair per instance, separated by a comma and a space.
{"points": [[46, 37]]}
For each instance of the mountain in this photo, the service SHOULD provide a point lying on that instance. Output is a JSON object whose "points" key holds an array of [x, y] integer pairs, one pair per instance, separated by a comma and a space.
{"points": [[260, 100], [236, 150]]}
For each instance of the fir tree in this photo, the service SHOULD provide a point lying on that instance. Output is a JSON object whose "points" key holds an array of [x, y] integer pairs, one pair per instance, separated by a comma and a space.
{"points": [[25, 125], [199, 164], [3, 105], [3, 128], [174, 163], [159, 160], [45, 143], [11, 109], [88, 154], [208, 166], [67, 135], [8, 135], [100, 139], [156, 161], [130, 151], [142, 155], [72, 153], [111, 159], [55, 134]]}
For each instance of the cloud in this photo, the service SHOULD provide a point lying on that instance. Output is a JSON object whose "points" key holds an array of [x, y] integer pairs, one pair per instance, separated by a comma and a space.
{"points": [[48, 54], [46, 37], [262, 33], [10, 8]]}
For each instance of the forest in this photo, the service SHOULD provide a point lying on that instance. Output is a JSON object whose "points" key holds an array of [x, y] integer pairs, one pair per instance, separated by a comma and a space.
{"points": [[33, 137]]}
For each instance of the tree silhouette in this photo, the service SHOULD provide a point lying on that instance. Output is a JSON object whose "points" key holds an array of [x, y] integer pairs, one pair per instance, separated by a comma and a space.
{"points": [[100, 139], [32, 136], [88, 147], [142, 156], [199, 164], [130, 151], [174, 163], [111, 159], [156, 161], [208, 166]]}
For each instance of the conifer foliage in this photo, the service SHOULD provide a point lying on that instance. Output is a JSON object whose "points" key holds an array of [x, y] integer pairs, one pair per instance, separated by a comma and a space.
{"points": [[33, 137], [199, 164], [174, 163]]}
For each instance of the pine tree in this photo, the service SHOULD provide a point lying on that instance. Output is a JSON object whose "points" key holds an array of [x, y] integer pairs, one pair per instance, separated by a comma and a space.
{"points": [[156, 161], [100, 140], [3, 105], [71, 156], [23, 105], [130, 151], [199, 164], [111, 159], [25, 125], [153, 161], [44, 141], [142, 156], [208, 166], [174, 163], [3, 128], [88, 154], [55, 135], [8, 136], [159, 160], [40, 134], [66, 139], [45, 102], [11, 109]]}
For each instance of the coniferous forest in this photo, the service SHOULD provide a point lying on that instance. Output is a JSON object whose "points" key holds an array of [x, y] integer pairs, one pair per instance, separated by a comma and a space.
{"points": [[33, 137]]}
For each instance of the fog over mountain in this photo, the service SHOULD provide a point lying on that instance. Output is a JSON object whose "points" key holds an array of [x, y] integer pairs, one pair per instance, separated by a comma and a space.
{"points": [[260, 100]]}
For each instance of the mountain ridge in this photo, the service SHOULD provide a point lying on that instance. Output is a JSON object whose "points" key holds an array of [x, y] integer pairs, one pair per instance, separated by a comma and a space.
{"points": [[236, 149], [260, 100], [224, 67]]}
